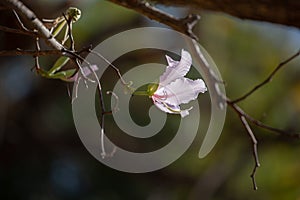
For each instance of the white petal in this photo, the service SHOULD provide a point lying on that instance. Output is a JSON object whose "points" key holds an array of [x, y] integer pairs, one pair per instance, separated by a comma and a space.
{"points": [[180, 91], [185, 112], [176, 69], [171, 62], [168, 108]]}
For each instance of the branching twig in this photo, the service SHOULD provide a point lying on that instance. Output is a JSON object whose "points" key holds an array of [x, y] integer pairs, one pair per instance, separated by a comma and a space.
{"points": [[268, 79], [261, 124], [17, 31], [43, 31], [183, 25], [110, 64], [20, 23], [242, 116], [255, 154]]}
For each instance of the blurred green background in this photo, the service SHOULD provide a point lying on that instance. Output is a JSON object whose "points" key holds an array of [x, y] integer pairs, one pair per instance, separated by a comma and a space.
{"points": [[42, 157]]}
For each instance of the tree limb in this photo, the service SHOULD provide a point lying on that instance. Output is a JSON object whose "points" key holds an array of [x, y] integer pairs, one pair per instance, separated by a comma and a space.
{"points": [[286, 12], [43, 31], [16, 31], [183, 25], [19, 51]]}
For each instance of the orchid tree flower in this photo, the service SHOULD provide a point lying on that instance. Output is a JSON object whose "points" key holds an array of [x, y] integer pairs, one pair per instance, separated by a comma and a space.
{"points": [[175, 89]]}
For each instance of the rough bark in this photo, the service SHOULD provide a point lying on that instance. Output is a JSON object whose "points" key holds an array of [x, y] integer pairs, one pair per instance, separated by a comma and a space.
{"points": [[286, 12]]}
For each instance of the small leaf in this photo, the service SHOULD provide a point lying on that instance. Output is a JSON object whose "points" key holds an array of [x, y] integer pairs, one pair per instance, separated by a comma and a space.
{"points": [[63, 75], [60, 62]]}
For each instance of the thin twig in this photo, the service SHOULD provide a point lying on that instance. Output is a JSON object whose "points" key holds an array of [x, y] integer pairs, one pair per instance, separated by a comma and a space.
{"points": [[253, 140], [21, 25], [43, 31], [77, 62], [102, 107], [183, 25], [111, 65], [244, 117], [261, 124], [115, 108], [17, 31], [255, 154], [19, 51], [268, 79], [59, 49], [36, 57]]}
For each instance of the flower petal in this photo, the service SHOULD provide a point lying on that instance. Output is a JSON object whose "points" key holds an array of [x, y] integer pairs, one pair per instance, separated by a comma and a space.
{"points": [[171, 62], [168, 108], [180, 91], [176, 69]]}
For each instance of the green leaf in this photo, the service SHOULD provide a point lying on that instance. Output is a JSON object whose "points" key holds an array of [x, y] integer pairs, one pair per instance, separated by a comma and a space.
{"points": [[60, 62], [64, 75]]}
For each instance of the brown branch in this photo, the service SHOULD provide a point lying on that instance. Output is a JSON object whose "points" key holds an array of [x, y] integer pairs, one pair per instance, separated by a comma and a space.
{"points": [[268, 79], [281, 12], [111, 65], [17, 31], [261, 124], [183, 25], [255, 154], [242, 116], [233, 103], [20, 23], [43, 31], [36, 57], [18, 52]]}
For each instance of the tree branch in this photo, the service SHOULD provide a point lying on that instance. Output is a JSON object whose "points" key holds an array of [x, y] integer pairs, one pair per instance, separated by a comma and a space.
{"points": [[275, 11], [183, 25], [43, 31], [244, 117], [18, 52], [17, 31], [268, 79]]}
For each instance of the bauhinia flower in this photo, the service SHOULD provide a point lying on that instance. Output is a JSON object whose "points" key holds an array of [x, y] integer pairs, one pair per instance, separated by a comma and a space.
{"points": [[175, 89]]}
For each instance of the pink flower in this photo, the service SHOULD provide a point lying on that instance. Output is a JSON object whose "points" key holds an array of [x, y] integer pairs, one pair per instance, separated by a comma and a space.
{"points": [[175, 89]]}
